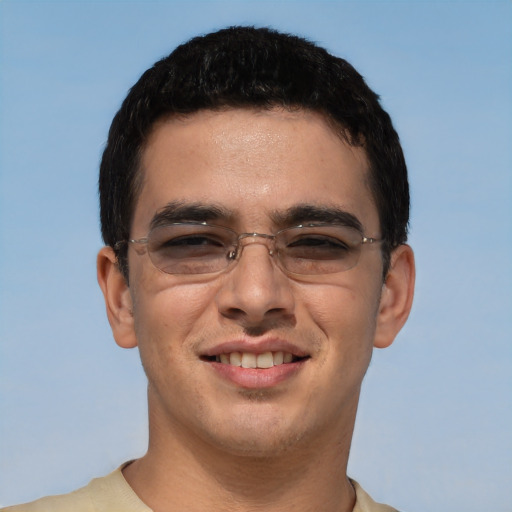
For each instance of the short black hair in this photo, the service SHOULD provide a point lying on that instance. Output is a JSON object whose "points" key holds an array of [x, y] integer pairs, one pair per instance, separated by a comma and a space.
{"points": [[247, 67]]}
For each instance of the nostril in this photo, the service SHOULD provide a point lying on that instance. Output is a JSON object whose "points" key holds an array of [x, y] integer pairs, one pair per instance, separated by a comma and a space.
{"points": [[233, 313]]}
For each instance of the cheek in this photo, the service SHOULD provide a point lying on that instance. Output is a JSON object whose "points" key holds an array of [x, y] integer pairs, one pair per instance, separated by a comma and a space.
{"points": [[166, 321], [166, 314], [346, 315], [343, 310]]}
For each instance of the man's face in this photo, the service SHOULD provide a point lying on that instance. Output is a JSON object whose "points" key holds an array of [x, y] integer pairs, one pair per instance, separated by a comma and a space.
{"points": [[247, 170]]}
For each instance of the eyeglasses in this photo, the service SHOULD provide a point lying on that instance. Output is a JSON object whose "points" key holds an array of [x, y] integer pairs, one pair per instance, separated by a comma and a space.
{"points": [[200, 248]]}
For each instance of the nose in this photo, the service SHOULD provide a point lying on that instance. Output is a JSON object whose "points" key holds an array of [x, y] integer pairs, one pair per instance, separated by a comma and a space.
{"points": [[255, 290]]}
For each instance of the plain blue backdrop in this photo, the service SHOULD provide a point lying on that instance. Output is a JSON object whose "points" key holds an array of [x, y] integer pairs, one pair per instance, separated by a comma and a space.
{"points": [[435, 421]]}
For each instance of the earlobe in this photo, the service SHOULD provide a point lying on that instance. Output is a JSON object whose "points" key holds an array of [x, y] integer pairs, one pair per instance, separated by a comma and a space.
{"points": [[117, 297], [397, 295]]}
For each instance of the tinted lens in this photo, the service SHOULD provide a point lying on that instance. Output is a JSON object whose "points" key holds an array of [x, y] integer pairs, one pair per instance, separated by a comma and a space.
{"points": [[319, 249], [203, 249], [190, 248]]}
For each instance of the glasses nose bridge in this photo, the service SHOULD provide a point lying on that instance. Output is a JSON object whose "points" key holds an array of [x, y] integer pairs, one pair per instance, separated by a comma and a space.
{"points": [[244, 239]]}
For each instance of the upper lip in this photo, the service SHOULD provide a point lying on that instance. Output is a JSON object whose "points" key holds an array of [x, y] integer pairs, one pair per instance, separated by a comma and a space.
{"points": [[255, 346]]}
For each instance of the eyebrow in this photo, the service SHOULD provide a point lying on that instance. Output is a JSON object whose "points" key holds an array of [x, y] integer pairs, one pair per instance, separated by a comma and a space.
{"points": [[179, 211], [305, 213]]}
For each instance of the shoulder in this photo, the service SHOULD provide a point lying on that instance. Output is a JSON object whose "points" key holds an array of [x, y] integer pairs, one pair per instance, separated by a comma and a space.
{"points": [[110, 493], [78, 501], [364, 503]]}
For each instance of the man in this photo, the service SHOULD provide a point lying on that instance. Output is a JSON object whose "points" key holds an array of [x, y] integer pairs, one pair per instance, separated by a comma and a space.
{"points": [[254, 206]]}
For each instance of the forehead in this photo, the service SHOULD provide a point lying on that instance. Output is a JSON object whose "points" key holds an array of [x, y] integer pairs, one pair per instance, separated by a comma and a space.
{"points": [[252, 163]]}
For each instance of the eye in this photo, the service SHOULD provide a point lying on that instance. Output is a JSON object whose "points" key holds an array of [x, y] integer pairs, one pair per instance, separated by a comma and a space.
{"points": [[188, 248], [318, 247], [185, 241], [192, 245], [192, 241]]}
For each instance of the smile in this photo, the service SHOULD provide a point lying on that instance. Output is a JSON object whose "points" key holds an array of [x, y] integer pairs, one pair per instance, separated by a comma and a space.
{"points": [[252, 370], [251, 360], [260, 364]]}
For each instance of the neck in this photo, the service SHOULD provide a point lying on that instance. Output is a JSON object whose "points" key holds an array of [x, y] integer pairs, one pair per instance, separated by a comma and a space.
{"points": [[183, 472]]}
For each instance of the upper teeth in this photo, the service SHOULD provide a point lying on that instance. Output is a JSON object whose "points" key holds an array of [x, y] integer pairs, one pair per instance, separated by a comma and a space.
{"points": [[249, 360]]}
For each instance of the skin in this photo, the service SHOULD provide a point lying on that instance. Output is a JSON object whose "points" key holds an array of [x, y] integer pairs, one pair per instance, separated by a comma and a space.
{"points": [[216, 445]]}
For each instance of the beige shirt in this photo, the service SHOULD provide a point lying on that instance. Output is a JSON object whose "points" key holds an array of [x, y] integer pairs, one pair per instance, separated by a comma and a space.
{"points": [[112, 493]]}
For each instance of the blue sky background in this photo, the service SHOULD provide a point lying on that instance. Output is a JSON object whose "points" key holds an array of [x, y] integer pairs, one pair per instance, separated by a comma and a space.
{"points": [[434, 431]]}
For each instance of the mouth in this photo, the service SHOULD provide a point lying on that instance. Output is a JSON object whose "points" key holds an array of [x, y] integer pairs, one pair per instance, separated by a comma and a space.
{"points": [[252, 360], [261, 364]]}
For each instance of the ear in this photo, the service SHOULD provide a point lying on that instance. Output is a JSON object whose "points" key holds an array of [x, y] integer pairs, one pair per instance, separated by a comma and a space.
{"points": [[396, 298], [117, 296]]}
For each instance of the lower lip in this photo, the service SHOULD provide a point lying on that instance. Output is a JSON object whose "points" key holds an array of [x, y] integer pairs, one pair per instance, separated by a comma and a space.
{"points": [[257, 378]]}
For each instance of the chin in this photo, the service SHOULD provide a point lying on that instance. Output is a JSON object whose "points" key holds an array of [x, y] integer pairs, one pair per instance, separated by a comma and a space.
{"points": [[260, 435], [256, 445]]}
